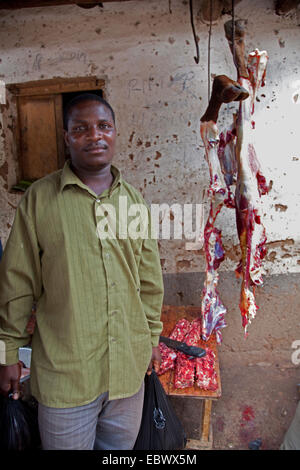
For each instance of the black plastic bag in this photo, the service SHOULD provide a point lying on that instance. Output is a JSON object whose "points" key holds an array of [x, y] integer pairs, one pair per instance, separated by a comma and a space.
{"points": [[18, 425], [160, 427]]}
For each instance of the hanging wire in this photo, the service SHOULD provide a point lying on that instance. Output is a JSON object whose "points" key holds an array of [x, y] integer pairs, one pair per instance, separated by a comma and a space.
{"points": [[197, 58], [208, 53]]}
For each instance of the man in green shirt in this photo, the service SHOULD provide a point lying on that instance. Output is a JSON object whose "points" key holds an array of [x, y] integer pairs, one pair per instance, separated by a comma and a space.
{"points": [[98, 293]]}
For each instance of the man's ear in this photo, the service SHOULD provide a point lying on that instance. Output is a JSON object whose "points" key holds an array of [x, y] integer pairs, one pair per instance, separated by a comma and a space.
{"points": [[66, 137]]}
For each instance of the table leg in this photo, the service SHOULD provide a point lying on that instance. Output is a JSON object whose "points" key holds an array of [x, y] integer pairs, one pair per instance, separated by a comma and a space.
{"points": [[206, 420], [205, 441]]}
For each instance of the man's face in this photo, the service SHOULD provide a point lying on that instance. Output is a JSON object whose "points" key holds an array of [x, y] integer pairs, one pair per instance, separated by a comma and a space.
{"points": [[90, 136]]}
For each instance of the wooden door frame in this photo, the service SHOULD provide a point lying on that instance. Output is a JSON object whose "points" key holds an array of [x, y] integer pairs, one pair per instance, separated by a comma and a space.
{"points": [[56, 86]]}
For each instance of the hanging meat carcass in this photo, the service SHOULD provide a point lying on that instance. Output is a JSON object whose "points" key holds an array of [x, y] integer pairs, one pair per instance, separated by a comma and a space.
{"points": [[251, 183], [226, 154], [224, 90]]}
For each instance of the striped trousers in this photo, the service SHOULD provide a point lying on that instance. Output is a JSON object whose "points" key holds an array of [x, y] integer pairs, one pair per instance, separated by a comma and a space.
{"points": [[101, 425]]}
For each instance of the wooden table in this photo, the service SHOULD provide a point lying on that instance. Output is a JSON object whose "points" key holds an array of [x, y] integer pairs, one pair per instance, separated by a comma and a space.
{"points": [[170, 316]]}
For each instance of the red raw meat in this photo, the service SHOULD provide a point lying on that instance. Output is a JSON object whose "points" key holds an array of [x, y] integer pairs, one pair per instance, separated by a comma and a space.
{"points": [[226, 154], [251, 184], [180, 330], [206, 376], [194, 334], [185, 367], [212, 309], [184, 371], [168, 355], [221, 164]]}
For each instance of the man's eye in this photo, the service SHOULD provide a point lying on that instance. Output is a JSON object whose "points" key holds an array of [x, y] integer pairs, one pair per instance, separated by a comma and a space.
{"points": [[79, 128], [104, 125]]}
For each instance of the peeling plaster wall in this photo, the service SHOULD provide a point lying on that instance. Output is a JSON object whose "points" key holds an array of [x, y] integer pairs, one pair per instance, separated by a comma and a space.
{"points": [[146, 54]]}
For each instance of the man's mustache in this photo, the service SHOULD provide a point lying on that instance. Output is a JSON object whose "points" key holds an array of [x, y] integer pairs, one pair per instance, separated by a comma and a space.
{"points": [[99, 145]]}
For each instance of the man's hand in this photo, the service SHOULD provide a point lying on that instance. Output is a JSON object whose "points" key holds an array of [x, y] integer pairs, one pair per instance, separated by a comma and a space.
{"points": [[10, 380], [155, 360]]}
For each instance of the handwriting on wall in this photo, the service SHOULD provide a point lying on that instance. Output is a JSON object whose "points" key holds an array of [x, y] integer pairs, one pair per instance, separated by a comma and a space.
{"points": [[64, 57], [166, 102], [181, 82]]}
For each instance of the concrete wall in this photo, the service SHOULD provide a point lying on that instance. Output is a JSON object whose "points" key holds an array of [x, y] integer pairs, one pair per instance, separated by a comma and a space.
{"points": [[146, 55]]}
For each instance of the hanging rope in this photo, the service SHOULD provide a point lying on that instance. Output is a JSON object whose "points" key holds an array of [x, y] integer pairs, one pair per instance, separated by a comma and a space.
{"points": [[208, 52], [197, 58]]}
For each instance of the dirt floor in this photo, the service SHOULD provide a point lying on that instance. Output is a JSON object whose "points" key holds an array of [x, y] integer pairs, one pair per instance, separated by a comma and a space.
{"points": [[262, 407]]}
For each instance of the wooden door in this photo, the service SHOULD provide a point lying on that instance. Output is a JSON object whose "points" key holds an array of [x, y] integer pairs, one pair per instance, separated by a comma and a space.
{"points": [[40, 142]]}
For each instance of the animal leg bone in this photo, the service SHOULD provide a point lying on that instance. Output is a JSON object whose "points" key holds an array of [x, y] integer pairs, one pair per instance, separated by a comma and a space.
{"points": [[237, 46], [224, 90]]}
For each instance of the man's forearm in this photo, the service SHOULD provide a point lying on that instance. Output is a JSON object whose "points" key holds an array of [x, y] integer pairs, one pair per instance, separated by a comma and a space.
{"points": [[20, 283]]}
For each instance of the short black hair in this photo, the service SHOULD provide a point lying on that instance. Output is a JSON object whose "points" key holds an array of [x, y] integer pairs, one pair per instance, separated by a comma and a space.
{"points": [[81, 98]]}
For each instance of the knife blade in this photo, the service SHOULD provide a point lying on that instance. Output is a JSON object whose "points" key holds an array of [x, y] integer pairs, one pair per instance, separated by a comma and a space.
{"points": [[183, 347]]}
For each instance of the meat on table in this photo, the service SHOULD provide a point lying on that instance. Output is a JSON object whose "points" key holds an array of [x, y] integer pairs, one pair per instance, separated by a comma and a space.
{"points": [[189, 371]]}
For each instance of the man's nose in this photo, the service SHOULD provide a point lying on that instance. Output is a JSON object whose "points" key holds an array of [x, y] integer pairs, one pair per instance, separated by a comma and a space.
{"points": [[94, 133]]}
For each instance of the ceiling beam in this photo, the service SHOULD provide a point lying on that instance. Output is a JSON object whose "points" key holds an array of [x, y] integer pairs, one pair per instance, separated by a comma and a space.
{"points": [[16, 4]]}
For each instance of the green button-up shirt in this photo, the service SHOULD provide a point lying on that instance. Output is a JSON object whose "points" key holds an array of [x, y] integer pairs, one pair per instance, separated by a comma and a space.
{"points": [[98, 298]]}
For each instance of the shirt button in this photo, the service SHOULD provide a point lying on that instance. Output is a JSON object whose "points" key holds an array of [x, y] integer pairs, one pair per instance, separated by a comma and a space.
{"points": [[113, 284], [107, 255], [114, 312], [113, 340], [98, 200]]}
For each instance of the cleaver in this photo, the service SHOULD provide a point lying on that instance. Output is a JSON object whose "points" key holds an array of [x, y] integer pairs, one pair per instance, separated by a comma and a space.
{"points": [[183, 347]]}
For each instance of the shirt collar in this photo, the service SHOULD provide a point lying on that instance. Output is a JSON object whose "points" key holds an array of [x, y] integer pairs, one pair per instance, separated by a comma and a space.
{"points": [[68, 177]]}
